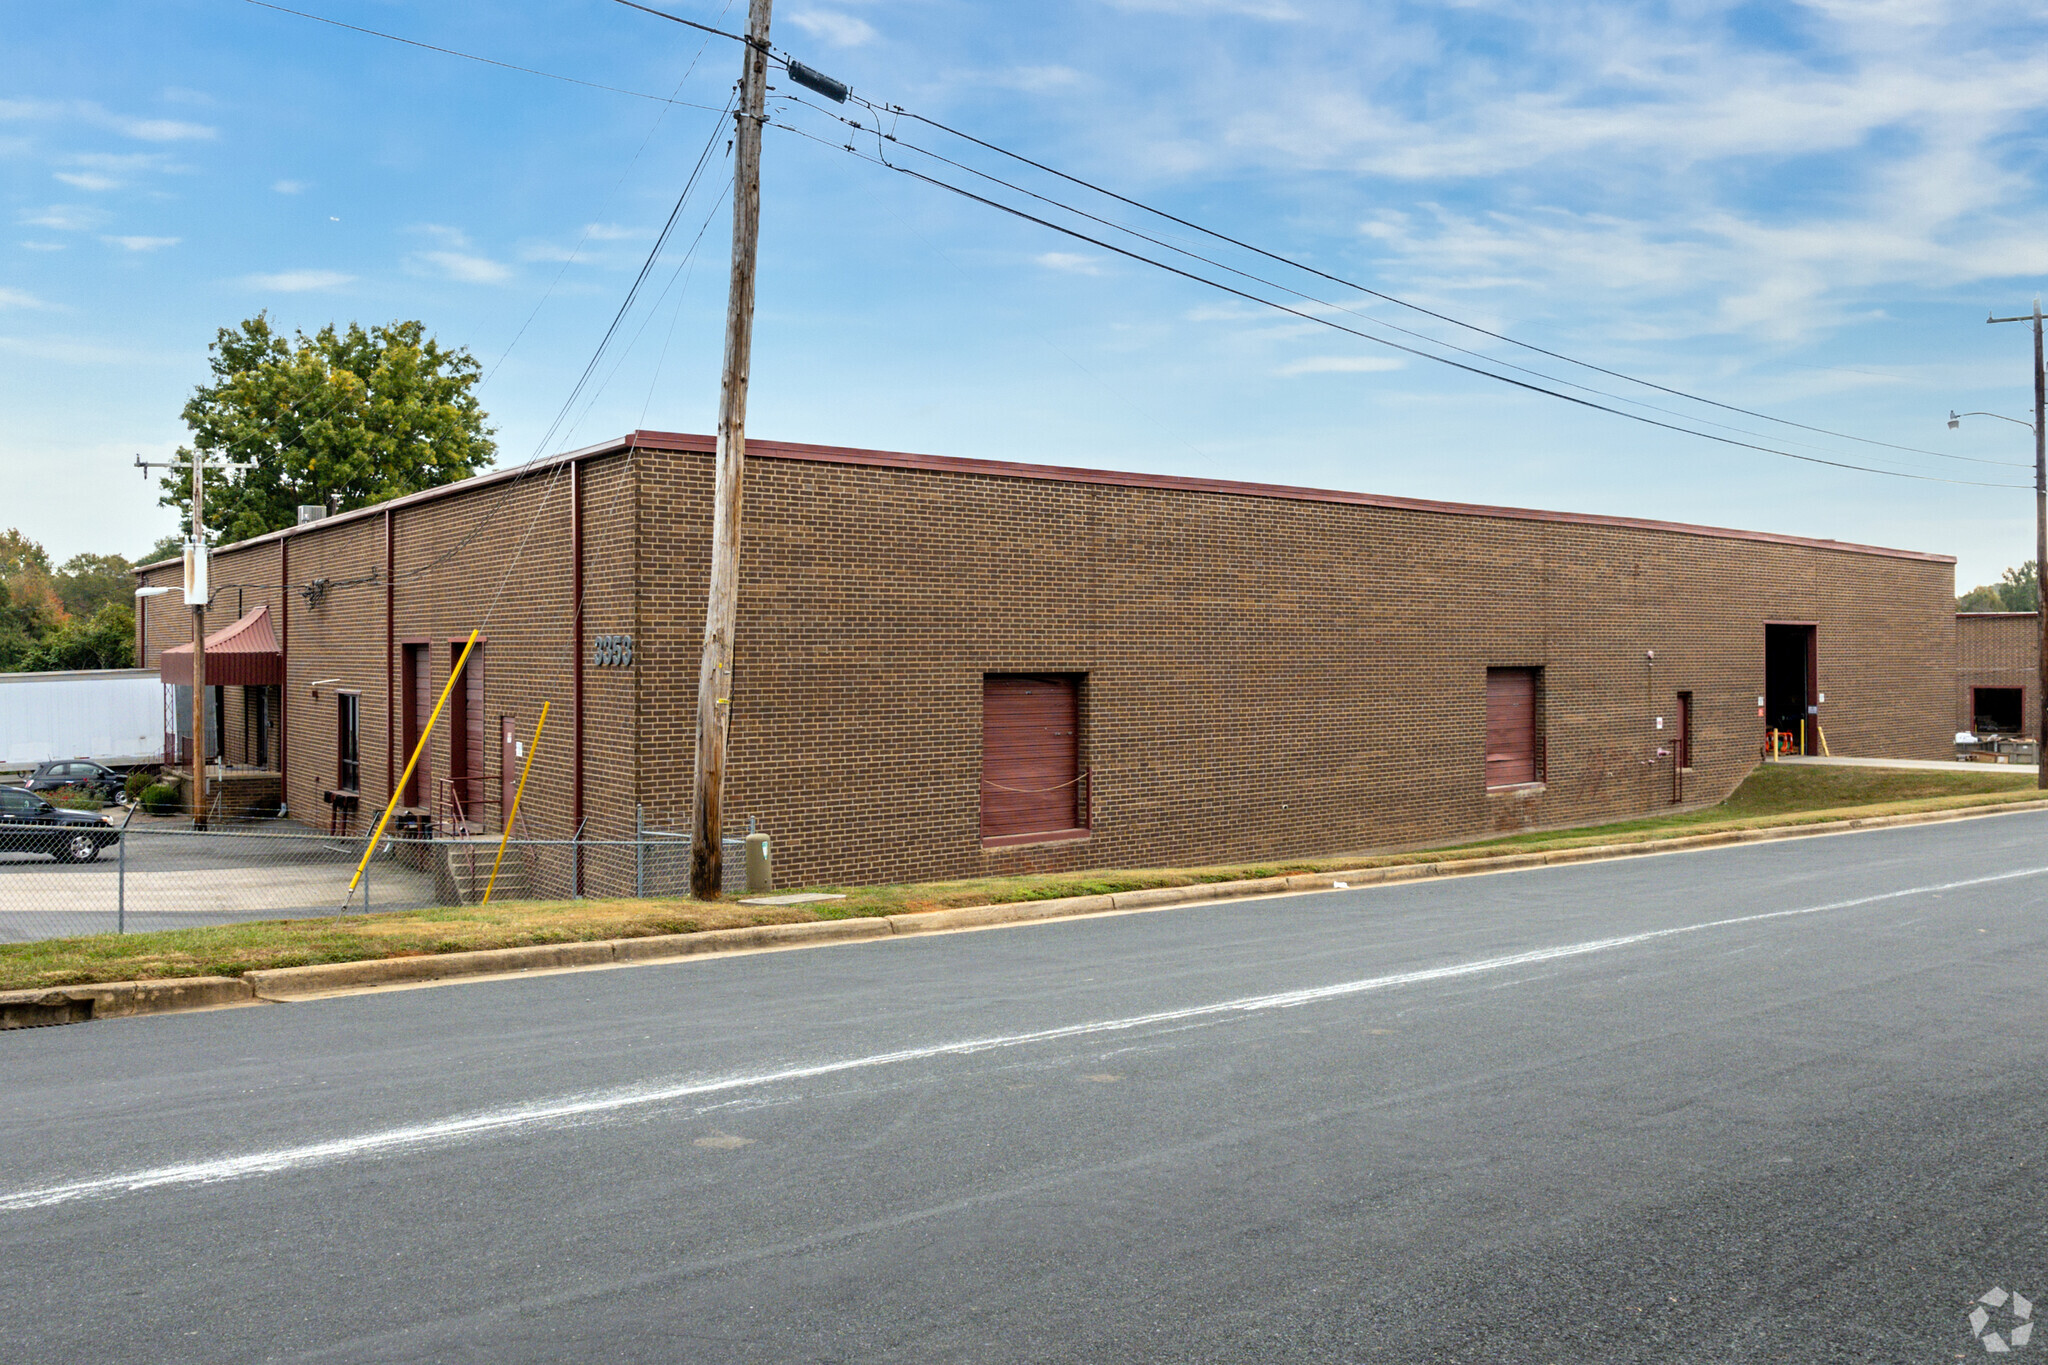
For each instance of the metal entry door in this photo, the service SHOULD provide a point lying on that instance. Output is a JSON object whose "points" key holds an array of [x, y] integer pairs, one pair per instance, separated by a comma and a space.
{"points": [[511, 759]]}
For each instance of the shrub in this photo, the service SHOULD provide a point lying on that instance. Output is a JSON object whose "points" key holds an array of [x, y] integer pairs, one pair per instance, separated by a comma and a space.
{"points": [[139, 781], [74, 798], [162, 799]]}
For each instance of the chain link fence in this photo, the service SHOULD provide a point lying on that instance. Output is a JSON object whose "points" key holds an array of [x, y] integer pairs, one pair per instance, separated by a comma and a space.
{"points": [[140, 873]]}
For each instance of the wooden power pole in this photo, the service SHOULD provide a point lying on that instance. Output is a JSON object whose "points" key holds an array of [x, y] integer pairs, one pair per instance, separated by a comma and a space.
{"points": [[714, 674], [197, 586], [2040, 548]]}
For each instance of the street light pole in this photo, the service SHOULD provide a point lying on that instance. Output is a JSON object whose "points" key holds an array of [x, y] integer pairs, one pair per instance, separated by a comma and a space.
{"points": [[197, 588], [2040, 547]]}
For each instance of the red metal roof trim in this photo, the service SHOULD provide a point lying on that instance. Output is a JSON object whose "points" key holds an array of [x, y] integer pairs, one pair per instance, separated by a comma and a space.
{"points": [[243, 654], [1005, 469], [790, 450]]}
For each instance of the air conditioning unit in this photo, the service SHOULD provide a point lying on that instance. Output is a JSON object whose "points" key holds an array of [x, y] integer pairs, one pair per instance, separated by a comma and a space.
{"points": [[311, 511]]}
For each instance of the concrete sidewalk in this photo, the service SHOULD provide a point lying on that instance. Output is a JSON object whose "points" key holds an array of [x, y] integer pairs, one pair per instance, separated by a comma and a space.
{"points": [[1933, 764]]}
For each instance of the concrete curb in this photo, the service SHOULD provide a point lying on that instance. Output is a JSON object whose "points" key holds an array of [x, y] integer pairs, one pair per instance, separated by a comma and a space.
{"points": [[78, 1004], [300, 983], [120, 1000]]}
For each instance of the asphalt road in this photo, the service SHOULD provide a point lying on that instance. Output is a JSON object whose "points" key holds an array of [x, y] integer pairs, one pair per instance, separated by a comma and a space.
{"points": [[1777, 1102]]}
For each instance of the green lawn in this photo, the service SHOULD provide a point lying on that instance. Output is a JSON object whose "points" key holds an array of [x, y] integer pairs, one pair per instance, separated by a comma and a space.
{"points": [[1772, 796]]}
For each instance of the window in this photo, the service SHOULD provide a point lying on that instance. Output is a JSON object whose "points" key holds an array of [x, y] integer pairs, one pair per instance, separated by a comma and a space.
{"points": [[1032, 784], [348, 742], [1681, 743], [1514, 727]]}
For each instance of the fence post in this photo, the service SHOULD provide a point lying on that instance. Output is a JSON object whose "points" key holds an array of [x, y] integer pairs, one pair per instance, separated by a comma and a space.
{"points": [[121, 876], [576, 863], [639, 852]]}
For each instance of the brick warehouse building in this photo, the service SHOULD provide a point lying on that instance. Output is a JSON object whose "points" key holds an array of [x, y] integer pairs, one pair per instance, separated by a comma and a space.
{"points": [[947, 667], [1998, 672]]}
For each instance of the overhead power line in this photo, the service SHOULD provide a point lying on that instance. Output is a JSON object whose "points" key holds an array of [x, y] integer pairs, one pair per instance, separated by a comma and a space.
{"points": [[900, 112], [1367, 336], [1302, 294], [492, 61]]}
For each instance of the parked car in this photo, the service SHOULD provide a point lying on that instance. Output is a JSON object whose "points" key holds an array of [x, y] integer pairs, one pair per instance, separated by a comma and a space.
{"points": [[83, 774], [29, 824]]}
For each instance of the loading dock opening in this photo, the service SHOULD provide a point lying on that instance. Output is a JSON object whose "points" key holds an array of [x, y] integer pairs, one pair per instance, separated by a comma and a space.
{"points": [[1998, 710], [1791, 667]]}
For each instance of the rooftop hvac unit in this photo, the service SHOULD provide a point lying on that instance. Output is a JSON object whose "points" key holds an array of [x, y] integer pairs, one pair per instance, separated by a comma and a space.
{"points": [[311, 511]]}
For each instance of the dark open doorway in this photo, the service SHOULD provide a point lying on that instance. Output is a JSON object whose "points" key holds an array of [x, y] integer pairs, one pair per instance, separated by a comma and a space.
{"points": [[1790, 667], [1998, 710]]}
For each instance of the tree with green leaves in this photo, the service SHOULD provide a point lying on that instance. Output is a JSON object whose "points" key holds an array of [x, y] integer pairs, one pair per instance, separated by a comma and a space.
{"points": [[87, 582], [21, 628], [18, 553], [2018, 590], [105, 639], [340, 418]]}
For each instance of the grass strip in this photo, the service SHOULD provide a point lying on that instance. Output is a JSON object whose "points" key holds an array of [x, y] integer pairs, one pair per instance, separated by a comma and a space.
{"points": [[1773, 796]]}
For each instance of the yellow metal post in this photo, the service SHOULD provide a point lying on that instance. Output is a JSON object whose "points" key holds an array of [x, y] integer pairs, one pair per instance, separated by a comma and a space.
{"points": [[398, 787], [517, 796]]}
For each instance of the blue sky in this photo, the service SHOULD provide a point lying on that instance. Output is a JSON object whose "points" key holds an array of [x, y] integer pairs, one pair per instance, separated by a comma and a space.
{"points": [[1805, 209]]}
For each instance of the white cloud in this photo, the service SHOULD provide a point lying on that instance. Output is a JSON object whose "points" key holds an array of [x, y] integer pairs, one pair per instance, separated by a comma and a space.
{"points": [[16, 298], [64, 218], [72, 351], [160, 129], [458, 260], [1070, 262], [466, 268], [1037, 80], [842, 30], [86, 113], [1253, 9], [615, 232], [288, 186], [298, 281], [142, 243], [1343, 364], [42, 246], [88, 180]]}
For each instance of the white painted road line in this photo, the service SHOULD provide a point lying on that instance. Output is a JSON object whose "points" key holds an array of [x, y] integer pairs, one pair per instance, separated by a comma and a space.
{"points": [[454, 1130]]}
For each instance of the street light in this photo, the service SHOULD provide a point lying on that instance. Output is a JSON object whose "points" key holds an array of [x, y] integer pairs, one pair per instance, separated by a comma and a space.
{"points": [[1955, 419]]}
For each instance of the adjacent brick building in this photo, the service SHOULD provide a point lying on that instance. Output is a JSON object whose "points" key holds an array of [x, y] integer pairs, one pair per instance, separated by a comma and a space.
{"points": [[1998, 672], [947, 667]]}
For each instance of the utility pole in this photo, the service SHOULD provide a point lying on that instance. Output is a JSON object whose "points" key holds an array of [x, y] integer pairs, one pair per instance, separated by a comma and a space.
{"points": [[197, 587], [2040, 547], [714, 674]]}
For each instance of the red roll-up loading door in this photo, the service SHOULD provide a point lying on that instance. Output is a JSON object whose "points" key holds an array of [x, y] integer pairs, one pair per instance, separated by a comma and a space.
{"points": [[1030, 754], [1510, 726]]}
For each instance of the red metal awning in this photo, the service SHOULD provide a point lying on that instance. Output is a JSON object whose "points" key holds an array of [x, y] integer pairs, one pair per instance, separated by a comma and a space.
{"points": [[244, 654]]}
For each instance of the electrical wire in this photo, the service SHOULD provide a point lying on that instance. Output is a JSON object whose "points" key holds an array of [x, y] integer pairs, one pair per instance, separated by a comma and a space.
{"points": [[484, 516], [900, 112], [1367, 336], [1301, 294], [688, 23], [487, 61]]}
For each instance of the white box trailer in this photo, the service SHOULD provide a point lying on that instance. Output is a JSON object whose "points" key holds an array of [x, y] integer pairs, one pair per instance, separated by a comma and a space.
{"points": [[114, 716]]}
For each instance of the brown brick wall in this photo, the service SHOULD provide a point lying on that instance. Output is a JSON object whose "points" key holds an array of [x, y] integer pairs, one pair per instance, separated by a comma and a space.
{"points": [[1997, 649], [1267, 675]]}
